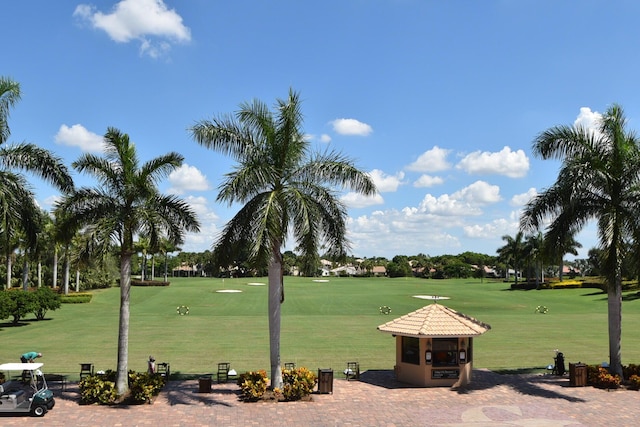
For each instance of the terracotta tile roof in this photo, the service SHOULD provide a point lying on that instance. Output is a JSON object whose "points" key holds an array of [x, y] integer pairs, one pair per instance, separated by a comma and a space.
{"points": [[435, 320]]}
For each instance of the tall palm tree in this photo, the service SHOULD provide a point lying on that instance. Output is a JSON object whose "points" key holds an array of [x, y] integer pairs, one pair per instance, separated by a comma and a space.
{"points": [[18, 208], [599, 180], [126, 203], [284, 188], [511, 253]]}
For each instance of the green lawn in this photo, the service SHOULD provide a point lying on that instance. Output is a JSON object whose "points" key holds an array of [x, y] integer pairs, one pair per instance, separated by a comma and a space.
{"points": [[324, 325]]}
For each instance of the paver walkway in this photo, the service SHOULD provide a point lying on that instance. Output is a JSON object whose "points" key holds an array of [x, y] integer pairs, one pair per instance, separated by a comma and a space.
{"points": [[376, 400]]}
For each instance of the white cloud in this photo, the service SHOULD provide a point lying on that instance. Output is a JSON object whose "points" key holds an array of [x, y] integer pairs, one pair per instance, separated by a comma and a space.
{"points": [[588, 119], [433, 160], [78, 136], [427, 181], [195, 242], [446, 205], [386, 183], [357, 200], [495, 229], [324, 138], [479, 193], [149, 21], [351, 127], [514, 164], [187, 178], [523, 198]]}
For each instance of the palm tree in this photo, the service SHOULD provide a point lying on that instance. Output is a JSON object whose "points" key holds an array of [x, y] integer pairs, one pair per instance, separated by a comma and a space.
{"points": [[18, 208], [284, 188], [599, 180], [511, 253], [126, 203], [557, 251]]}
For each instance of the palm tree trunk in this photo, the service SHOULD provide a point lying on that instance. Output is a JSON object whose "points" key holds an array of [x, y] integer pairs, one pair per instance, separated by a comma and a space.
{"points": [[65, 279], [77, 280], [39, 274], [25, 274], [614, 305], [55, 268], [275, 298], [122, 376], [8, 271]]}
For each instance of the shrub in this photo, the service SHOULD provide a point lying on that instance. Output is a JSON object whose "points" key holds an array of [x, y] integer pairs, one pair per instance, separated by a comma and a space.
{"points": [[101, 388], [634, 382], [253, 385], [98, 389], [298, 383], [20, 303], [145, 386], [605, 380], [149, 283], [77, 298], [46, 299]]}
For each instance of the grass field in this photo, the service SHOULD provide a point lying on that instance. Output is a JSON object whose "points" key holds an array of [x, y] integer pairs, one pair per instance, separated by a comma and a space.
{"points": [[324, 325]]}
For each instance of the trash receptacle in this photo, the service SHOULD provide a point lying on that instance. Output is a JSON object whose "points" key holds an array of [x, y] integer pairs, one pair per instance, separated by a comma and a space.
{"points": [[204, 384], [325, 381], [577, 374]]}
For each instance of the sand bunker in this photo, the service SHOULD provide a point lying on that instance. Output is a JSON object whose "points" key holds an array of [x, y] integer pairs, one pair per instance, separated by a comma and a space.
{"points": [[431, 297], [320, 280], [229, 291], [255, 284]]}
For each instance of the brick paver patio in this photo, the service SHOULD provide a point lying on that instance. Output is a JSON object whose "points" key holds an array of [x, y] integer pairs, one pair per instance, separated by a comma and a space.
{"points": [[376, 400]]}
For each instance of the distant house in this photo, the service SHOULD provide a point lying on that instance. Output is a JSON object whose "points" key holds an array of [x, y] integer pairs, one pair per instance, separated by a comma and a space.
{"points": [[349, 270], [379, 270]]}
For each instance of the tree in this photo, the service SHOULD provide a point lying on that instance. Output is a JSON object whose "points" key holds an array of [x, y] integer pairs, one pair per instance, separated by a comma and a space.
{"points": [[18, 209], [599, 180], [284, 188], [511, 253], [45, 299], [125, 203]]}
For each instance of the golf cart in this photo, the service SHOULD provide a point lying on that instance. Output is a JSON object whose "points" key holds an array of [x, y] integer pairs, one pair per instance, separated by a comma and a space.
{"points": [[27, 395]]}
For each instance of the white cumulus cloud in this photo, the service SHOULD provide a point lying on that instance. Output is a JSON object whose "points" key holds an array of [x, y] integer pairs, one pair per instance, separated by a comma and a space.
{"points": [[523, 198], [187, 178], [386, 183], [433, 160], [427, 181], [479, 193], [78, 136], [351, 127], [357, 200], [150, 22], [514, 164]]}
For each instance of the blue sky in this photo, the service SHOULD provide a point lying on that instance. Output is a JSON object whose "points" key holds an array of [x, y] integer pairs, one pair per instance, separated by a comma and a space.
{"points": [[438, 100]]}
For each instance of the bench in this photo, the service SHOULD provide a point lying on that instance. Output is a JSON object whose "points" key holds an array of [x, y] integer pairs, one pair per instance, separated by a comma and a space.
{"points": [[57, 378]]}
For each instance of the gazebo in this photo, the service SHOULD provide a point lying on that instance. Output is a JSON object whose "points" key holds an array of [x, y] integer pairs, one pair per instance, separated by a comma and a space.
{"points": [[434, 346]]}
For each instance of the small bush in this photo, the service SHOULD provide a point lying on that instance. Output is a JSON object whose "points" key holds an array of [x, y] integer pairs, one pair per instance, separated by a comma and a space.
{"points": [[605, 380], [634, 382], [46, 299], [149, 283], [101, 388], [98, 389], [145, 386], [76, 298], [253, 385], [298, 383]]}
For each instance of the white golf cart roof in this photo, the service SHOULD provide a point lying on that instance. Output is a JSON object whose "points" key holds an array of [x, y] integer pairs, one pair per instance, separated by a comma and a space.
{"points": [[20, 366]]}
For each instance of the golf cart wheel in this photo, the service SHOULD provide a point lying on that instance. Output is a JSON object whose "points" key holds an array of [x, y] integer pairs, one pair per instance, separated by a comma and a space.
{"points": [[51, 404], [39, 410]]}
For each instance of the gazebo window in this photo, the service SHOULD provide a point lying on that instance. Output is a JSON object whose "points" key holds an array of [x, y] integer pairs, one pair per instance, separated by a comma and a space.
{"points": [[445, 351], [411, 350]]}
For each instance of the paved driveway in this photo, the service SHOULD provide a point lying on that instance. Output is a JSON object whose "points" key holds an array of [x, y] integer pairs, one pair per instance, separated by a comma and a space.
{"points": [[376, 400]]}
